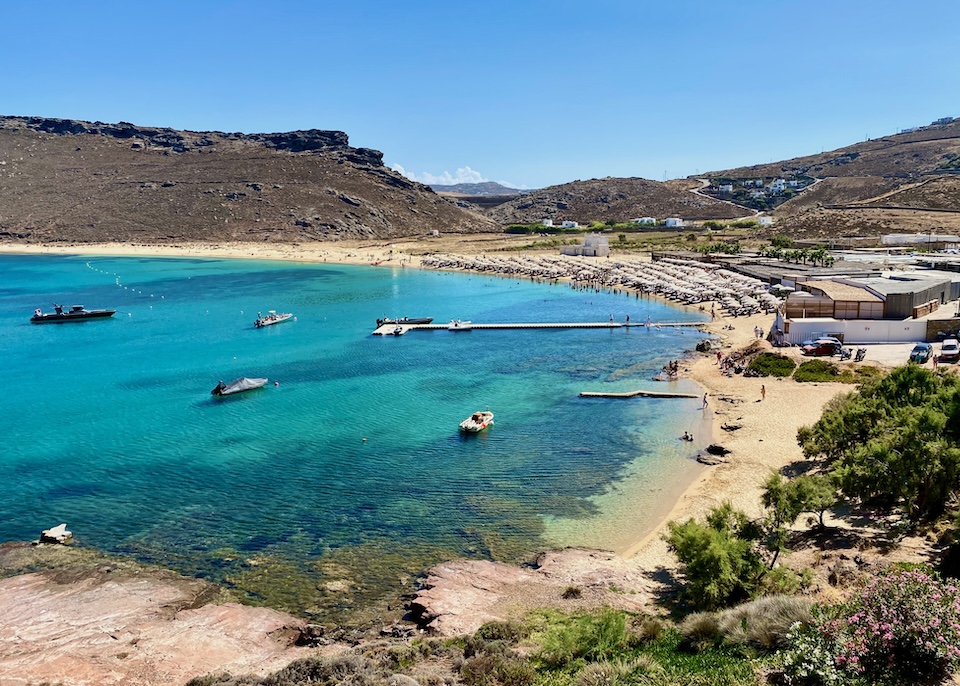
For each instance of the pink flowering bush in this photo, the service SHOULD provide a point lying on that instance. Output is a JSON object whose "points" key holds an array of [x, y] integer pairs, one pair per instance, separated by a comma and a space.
{"points": [[903, 626]]}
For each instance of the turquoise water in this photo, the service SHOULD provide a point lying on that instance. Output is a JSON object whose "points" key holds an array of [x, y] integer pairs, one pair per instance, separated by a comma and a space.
{"points": [[109, 425]]}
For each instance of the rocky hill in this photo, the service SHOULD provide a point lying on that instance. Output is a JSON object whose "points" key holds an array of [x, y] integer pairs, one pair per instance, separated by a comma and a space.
{"points": [[901, 183], [484, 188], [65, 180], [904, 156], [614, 199]]}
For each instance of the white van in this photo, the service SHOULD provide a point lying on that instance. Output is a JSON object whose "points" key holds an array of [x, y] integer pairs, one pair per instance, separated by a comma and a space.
{"points": [[950, 350]]}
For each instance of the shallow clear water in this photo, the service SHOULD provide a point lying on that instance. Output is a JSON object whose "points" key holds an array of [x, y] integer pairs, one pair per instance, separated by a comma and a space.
{"points": [[109, 425]]}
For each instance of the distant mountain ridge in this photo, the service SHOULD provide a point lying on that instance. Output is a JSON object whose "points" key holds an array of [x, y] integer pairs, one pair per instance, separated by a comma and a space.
{"points": [[68, 180], [482, 188], [614, 199]]}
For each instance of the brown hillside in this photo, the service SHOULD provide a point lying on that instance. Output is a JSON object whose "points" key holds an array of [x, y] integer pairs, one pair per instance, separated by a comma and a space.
{"points": [[838, 190], [941, 192], [62, 180], [903, 155], [614, 199]]}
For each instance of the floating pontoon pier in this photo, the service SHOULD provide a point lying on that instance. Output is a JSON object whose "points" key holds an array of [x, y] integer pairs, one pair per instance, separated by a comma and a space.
{"points": [[390, 329]]}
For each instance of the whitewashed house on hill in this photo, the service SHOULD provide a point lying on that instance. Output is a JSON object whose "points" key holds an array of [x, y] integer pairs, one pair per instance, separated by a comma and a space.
{"points": [[725, 188], [764, 221], [673, 222], [569, 225], [645, 220], [778, 186], [547, 222]]}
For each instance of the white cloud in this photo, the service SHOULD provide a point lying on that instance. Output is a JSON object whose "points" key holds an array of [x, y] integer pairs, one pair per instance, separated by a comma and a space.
{"points": [[463, 175]]}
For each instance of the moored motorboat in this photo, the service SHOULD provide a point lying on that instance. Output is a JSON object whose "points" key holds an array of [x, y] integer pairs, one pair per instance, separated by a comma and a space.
{"points": [[75, 314], [398, 331], [477, 422], [272, 317], [238, 386], [459, 325], [404, 321]]}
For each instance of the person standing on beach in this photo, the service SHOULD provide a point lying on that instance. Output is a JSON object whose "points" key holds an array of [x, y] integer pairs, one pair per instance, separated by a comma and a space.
{"points": [[763, 392], [704, 401]]}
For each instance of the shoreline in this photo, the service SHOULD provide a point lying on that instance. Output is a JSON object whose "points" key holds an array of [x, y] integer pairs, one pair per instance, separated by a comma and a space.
{"points": [[392, 254], [765, 441]]}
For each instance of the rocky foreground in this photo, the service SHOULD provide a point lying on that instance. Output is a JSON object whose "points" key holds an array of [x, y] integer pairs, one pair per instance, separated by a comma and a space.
{"points": [[83, 619]]}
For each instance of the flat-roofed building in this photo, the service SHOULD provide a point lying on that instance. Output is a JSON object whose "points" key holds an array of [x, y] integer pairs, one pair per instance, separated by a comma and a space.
{"points": [[834, 299]]}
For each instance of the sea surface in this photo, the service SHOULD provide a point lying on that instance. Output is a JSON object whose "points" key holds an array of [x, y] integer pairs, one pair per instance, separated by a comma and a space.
{"points": [[332, 490]]}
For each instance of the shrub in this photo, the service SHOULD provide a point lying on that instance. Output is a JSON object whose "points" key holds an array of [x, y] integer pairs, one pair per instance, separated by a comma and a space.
{"points": [[719, 559], [763, 623], [816, 370], [589, 637], [497, 669], [500, 631], [647, 628], [700, 630], [902, 627], [571, 593], [618, 671], [772, 364], [907, 623]]}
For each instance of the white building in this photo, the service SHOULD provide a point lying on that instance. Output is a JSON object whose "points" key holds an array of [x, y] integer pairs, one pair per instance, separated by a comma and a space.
{"points": [[755, 194], [778, 186], [547, 222], [594, 245], [673, 222], [725, 187], [569, 225], [645, 220], [765, 221]]}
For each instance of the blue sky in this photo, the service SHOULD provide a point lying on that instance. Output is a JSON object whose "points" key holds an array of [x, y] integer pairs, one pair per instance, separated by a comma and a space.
{"points": [[529, 93]]}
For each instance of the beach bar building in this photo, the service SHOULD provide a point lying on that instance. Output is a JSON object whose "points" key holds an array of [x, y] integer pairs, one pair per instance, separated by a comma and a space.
{"points": [[894, 308]]}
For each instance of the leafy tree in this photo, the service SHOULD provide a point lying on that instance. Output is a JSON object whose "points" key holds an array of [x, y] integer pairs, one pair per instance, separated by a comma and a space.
{"points": [[719, 558], [815, 493], [895, 442], [781, 242]]}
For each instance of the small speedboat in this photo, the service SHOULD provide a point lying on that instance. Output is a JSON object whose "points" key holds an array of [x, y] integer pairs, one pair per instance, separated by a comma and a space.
{"points": [[74, 314], [398, 331], [272, 317], [459, 325], [477, 422], [238, 386]]}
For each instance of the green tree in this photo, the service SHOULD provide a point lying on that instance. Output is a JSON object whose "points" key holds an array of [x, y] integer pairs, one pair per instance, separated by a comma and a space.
{"points": [[895, 441], [719, 558]]}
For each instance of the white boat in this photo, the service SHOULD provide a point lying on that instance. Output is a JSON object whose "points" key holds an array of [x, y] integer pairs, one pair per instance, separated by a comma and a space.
{"points": [[271, 318], [458, 325], [477, 422], [238, 386], [398, 331]]}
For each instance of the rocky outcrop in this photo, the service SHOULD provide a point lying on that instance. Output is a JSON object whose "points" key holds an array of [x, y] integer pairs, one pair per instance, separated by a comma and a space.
{"points": [[459, 597], [113, 623]]}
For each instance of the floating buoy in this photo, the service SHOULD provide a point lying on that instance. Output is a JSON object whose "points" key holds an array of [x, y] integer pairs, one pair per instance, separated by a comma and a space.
{"points": [[276, 383], [364, 440]]}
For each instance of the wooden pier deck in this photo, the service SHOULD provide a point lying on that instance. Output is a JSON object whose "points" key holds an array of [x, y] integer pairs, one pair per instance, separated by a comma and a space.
{"points": [[635, 394], [390, 329]]}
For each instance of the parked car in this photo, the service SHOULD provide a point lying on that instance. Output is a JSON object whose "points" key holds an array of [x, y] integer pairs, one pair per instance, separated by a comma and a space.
{"points": [[821, 346], [950, 350], [921, 353]]}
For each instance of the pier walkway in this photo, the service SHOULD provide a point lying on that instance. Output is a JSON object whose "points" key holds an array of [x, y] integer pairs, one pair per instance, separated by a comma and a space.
{"points": [[391, 329]]}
